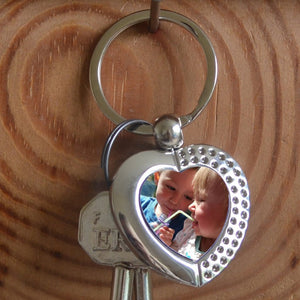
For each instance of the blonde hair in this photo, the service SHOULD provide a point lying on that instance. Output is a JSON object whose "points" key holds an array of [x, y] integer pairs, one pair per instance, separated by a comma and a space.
{"points": [[206, 178]]}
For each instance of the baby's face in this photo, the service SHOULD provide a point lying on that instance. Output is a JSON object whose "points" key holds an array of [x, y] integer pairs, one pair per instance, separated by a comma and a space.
{"points": [[209, 211], [175, 190]]}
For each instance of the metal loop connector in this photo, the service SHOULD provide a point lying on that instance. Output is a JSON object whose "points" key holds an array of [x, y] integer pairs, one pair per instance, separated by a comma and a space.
{"points": [[136, 18], [132, 125]]}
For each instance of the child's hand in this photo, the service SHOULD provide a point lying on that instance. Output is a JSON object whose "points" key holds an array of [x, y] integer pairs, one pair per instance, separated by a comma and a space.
{"points": [[166, 235]]}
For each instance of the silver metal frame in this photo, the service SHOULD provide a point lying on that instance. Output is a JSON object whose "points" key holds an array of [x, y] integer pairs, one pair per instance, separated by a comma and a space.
{"points": [[139, 17], [125, 194]]}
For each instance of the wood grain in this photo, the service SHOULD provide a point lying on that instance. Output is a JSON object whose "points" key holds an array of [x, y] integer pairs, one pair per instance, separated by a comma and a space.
{"points": [[52, 133]]}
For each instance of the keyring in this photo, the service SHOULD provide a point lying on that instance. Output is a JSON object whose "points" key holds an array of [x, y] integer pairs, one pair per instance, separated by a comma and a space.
{"points": [[136, 18]]}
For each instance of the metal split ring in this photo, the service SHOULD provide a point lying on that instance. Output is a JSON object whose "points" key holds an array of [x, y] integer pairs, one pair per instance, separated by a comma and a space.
{"points": [[136, 18]]}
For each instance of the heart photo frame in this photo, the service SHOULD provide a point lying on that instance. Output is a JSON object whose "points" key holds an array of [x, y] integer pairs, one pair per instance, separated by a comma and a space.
{"points": [[145, 244]]}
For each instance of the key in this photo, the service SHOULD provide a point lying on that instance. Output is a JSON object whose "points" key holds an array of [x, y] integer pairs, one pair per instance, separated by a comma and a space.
{"points": [[99, 237]]}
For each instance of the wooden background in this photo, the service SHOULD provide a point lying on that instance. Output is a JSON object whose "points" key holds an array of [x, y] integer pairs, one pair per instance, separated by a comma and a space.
{"points": [[52, 133]]}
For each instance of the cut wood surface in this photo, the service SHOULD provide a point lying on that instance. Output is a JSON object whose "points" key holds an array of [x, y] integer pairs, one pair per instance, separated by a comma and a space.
{"points": [[52, 133]]}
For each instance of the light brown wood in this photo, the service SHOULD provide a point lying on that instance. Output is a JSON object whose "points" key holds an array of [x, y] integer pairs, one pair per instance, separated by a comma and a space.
{"points": [[52, 133]]}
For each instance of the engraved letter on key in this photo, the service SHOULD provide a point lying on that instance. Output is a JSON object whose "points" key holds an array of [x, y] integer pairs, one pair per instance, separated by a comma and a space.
{"points": [[102, 239], [99, 236], [109, 239]]}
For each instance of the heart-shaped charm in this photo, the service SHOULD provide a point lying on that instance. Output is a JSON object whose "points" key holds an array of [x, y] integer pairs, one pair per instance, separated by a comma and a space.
{"points": [[129, 217]]}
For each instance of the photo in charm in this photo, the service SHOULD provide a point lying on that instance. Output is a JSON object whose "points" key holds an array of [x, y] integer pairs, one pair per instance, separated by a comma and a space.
{"points": [[186, 210]]}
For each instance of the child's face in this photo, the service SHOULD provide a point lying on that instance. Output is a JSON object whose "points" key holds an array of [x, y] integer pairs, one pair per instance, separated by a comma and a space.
{"points": [[175, 190], [209, 211]]}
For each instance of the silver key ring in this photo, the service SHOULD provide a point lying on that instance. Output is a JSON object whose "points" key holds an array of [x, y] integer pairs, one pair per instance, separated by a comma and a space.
{"points": [[136, 18]]}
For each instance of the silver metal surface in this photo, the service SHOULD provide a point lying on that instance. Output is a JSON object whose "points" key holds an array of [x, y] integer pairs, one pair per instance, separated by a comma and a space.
{"points": [[123, 284], [167, 132], [139, 17], [125, 194], [143, 285], [99, 236], [134, 124]]}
